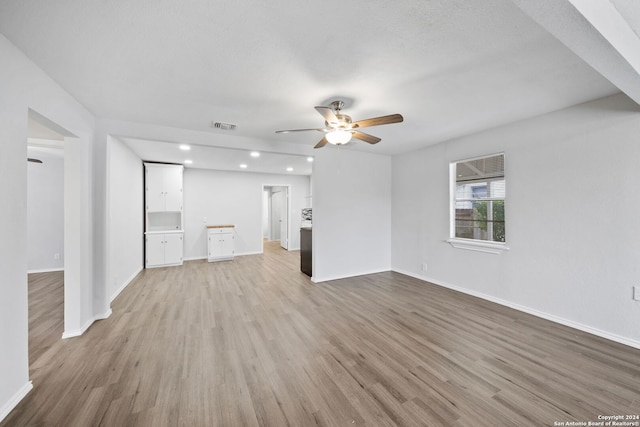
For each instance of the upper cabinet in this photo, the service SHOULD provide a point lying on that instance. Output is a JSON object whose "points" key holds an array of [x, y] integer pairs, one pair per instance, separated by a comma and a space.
{"points": [[163, 187]]}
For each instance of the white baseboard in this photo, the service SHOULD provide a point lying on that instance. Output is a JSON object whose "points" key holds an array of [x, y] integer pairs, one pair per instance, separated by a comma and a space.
{"points": [[103, 316], [196, 258], [235, 255], [553, 318], [315, 279], [80, 331], [124, 285], [249, 253], [83, 329], [45, 270], [15, 399]]}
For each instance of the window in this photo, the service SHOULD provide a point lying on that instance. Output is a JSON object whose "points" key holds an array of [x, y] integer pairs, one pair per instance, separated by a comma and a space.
{"points": [[478, 199]]}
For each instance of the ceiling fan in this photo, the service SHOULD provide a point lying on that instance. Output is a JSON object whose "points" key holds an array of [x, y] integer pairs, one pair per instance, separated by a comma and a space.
{"points": [[339, 129]]}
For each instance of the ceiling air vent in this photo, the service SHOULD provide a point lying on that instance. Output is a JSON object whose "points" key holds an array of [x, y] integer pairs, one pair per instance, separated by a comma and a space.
{"points": [[223, 126]]}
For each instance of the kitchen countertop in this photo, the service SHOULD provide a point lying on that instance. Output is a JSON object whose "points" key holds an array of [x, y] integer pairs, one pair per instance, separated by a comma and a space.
{"points": [[169, 231]]}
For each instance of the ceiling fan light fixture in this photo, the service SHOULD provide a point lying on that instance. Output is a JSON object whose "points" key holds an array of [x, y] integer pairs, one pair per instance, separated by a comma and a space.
{"points": [[338, 137], [339, 129]]}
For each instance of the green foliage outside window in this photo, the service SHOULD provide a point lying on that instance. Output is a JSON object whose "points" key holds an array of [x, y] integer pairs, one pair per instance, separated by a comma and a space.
{"points": [[480, 215]]}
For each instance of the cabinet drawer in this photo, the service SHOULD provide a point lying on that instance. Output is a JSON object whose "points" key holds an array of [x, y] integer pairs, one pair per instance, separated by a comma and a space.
{"points": [[225, 230]]}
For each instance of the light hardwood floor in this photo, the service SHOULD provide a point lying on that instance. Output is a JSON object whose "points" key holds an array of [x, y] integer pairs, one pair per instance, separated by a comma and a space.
{"points": [[253, 342]]}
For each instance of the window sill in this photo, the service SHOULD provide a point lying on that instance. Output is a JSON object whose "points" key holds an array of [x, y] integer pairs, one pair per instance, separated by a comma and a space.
{"points": [[478, 245]]}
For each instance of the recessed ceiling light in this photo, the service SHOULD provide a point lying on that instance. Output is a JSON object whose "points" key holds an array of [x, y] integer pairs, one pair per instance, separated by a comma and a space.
{"points": [[188, 162], [185, 147], [289, 169], [255, 154], [309, 159], [243, 166]]}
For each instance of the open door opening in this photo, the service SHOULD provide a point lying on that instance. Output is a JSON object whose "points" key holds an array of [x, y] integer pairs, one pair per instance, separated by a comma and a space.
{"points": [[45, 234], [276, 214], [55, 248], [45, 244]]}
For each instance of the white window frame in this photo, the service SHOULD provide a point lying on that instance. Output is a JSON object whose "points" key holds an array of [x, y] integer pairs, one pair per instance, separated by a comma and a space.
{"points": [[485, 246]]}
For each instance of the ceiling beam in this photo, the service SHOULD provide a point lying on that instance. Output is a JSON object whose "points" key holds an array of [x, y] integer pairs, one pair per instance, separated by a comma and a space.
{"points": [[598, 33]]}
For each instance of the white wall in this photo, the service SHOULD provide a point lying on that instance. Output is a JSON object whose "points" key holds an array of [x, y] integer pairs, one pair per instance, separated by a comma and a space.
{"points": [[351, 213], [235, 198], [265, 214], [126, 220], [45, 210], [277, 199], [25, 86], [572, 217]]}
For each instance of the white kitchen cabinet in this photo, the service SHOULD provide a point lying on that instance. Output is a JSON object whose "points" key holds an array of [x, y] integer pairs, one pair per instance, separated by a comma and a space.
{"points": [[220, 243], [163, 249], [163, 221], [163, 187], [154, 250]]}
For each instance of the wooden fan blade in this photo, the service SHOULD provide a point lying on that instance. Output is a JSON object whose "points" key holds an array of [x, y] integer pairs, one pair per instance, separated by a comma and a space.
{"points": [[29, 159], [366, 137], [377, 121], [302, 130], [328, 114], [322, 143]]}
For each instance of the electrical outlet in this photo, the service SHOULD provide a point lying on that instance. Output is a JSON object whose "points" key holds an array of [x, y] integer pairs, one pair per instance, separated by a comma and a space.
{"points": [[56, 256], [636, 293]]}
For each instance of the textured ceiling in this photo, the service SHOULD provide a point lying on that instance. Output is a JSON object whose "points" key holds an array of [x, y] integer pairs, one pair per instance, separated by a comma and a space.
{"points": [[451, 67]]}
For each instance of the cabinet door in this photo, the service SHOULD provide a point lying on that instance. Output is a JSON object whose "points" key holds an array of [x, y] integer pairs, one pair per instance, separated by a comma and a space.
{"points": [[173, 249], [214, 246], [226, 245], [172, 183], [220, 245], [154, 191], [155, 249]]}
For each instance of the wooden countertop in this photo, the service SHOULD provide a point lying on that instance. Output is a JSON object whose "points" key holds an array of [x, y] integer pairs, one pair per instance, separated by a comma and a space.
{"points": [[220, 226]]}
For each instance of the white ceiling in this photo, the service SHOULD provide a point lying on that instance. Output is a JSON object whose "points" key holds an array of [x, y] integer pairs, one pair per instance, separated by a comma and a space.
{"points": [[228, 159], [451, 67], [630, 10]]}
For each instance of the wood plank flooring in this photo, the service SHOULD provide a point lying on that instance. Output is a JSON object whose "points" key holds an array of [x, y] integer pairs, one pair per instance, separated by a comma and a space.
{"points": [[253, 342], [46, 312]]}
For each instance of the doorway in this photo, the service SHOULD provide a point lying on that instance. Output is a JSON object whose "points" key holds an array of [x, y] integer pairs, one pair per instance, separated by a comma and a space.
{"points": [[45, 244], [45, 141], [276, 215]]}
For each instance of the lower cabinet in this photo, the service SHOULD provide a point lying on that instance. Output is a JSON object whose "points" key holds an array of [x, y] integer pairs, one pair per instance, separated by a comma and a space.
{"points": [[163, 249], [220, 245]]}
